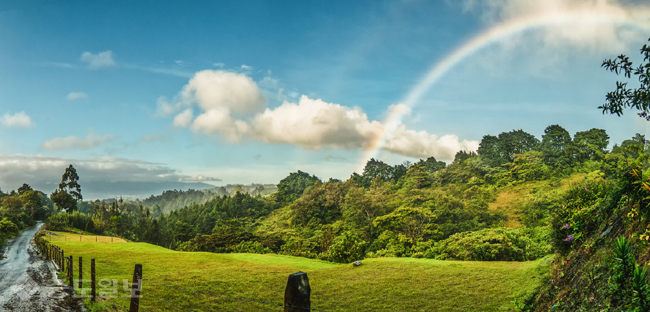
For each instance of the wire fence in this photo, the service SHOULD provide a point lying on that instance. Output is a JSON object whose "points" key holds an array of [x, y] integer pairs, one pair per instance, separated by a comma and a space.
{"points": [[111, 285]]}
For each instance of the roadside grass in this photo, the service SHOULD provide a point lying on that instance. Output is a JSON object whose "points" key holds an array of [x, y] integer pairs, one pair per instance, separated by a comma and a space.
{"points": [[72, 237], [380, 284]]}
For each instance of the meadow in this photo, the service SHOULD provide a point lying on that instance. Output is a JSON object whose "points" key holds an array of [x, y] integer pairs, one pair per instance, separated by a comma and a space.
{"points": [[381, 284]]}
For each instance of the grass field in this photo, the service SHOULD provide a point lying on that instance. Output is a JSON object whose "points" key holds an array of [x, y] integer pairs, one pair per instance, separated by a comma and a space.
{"points": [[383, 284], [71, 237]]}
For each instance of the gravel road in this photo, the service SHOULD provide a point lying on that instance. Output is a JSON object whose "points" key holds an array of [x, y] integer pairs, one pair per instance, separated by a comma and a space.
{"points": [[26, 279]]}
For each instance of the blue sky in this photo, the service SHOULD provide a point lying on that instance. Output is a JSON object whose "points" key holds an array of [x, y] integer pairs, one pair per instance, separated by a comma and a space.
{"points": [[247, 91]]}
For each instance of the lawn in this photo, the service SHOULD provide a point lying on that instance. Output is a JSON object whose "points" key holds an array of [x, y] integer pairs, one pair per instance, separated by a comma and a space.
{"points": [[383, 284]]}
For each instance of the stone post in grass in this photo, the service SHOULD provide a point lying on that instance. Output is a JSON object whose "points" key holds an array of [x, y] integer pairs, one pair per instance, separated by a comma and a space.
{"points": [[296, 295]]}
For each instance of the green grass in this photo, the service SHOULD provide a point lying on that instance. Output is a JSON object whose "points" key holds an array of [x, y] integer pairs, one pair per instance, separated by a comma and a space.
{"points": [[383, 284]]}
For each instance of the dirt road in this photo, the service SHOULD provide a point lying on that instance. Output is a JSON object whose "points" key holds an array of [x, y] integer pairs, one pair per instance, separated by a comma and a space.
{"points": [[25, 279]]}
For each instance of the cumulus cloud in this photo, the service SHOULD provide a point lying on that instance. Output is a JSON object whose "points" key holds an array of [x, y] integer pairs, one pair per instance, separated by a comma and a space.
{"points": [[99, 177], [72, 142], [231, 105], [216, 90], [99, 60], [73, 96], [17, 120], [590, 25]]}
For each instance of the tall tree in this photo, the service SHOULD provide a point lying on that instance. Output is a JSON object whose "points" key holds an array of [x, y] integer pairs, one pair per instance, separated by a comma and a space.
{"points": [[556, 147], [70, 183], [69, 191]]}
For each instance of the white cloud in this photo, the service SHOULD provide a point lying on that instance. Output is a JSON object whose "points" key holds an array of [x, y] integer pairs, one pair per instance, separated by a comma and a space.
{"points": [[218, 64], [216, 90], [184, 119], [73, 96], [72, 142], [99, 60], [246, 67], [231, 105], [17, 120], [181, 63]]}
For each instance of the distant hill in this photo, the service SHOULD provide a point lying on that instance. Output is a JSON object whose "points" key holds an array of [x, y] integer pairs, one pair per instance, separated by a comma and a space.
{"points": [[176, 199]]}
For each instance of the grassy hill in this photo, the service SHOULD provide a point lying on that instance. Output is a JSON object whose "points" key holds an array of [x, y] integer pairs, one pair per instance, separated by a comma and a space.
{"points": [[382, 284]]}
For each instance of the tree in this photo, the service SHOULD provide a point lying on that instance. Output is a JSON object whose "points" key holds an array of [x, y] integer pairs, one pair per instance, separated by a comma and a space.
{"points": [[69, 183], [69, 191], [24, 188], [63, 200], [590, 144], [556, 146], [490, 151], [516, 142], [432, 164], [292, 187], [32, 202], [415, 223], [12, 204], [624, 97]]}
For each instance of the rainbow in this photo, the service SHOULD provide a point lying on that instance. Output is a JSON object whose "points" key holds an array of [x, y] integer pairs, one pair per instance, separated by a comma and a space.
{"points": [[492, 35]]}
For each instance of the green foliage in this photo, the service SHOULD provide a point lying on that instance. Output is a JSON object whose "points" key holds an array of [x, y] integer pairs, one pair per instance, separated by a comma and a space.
{"points": [[12, 204], [415, 223], [8, 228], [70, 183], [58, 221], [557, 147], [578, 215], [590, 144], [497, 244], [63, 200], [526, 167], [624, 97], [497, 151], [347, 247], [292, 187]]}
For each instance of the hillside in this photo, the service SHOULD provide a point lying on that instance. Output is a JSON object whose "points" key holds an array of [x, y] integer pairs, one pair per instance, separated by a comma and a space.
{"points": [[174, 199]]}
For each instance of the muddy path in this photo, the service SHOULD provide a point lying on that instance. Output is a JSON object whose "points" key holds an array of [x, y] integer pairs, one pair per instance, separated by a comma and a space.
{"points": [[26, 282]]}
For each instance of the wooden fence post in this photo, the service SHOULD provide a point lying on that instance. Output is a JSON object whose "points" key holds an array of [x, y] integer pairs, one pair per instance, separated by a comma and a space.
{"points": [[81, 274], [136, 286], [93, 293], [296, 295], [71, 273], [62, 261]]}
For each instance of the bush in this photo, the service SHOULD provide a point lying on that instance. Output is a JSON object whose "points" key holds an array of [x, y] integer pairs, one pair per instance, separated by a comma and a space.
{"points": [[58, 222], [251, 247], [8, 228], [498, 244], [346, 248]]}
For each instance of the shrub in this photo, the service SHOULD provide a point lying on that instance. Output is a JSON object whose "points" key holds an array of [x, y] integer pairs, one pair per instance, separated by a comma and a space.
{"points": [[251, 247], [346, 248], [8, 228], [497, 244], [58, 222]]}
